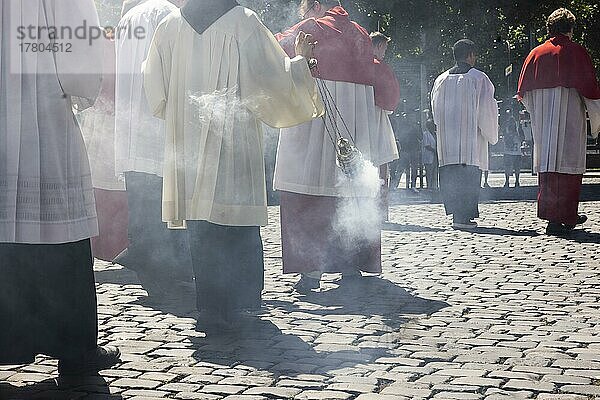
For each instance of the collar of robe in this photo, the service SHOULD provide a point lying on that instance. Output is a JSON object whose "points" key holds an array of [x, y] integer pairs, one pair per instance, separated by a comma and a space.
{"points": [[559, 38], [461, 68], [201, 14], [337, 11]]}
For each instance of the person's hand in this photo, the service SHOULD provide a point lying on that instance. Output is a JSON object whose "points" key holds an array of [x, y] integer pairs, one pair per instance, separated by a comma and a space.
{"points": [[305, 45]]}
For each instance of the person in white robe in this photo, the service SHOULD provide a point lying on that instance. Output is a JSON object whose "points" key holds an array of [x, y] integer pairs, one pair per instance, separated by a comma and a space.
{"points": [[559, 88], [47, 211], [429, 155], [466, 115], [214, 73], [160, 257]]}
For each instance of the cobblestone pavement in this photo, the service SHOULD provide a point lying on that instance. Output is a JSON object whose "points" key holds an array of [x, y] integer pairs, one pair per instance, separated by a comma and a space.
{"points": [[504, 313]]}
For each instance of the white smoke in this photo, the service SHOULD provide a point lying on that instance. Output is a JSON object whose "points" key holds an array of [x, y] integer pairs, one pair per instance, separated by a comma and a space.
{"points": [[359, 214], [219, 107]]}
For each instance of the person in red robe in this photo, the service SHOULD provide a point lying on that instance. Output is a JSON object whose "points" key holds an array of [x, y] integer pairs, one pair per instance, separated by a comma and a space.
{"points": [[558, 85], [306, 174]]}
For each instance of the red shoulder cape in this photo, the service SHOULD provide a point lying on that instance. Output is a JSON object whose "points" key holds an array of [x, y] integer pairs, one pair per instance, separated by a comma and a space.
{"points": [[387, 87], [344, 51], [559, 62]]}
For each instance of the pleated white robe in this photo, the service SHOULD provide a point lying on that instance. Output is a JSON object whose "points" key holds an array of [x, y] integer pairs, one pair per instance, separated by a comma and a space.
{"points": [[214, 90], [559, 125], [45, 183], [139, 135], [466, 115], [306, 156]]}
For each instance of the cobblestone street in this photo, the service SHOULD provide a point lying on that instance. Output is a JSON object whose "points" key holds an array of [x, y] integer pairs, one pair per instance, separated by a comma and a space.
{"points": [[502, 313]]}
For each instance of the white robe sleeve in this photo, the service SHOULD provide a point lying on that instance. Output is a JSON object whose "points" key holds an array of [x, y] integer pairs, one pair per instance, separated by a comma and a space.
{"points": [[79, 69], [488, 112], [279, 91], [156, 75], [593, 109]]}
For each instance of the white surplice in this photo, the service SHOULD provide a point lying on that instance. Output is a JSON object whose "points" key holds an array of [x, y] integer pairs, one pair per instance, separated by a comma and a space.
{"points": [[45, 183], [139, 135], [306, 156], [466, 115], [98, 128], [558, 122], [214, 89]]}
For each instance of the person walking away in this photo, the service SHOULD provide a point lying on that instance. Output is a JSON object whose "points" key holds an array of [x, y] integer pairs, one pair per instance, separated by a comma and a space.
{"points": [[465, 124], [214, 73], [558, 86]]}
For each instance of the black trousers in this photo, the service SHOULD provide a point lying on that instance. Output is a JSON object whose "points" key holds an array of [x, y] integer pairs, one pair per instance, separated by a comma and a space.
{"points": [[153, 248], [229, 267], [460, 186], [47, 301]]}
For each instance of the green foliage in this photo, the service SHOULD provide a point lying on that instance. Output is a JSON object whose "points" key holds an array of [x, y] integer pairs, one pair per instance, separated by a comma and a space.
{"points": [[109, 11], [423, 31]]}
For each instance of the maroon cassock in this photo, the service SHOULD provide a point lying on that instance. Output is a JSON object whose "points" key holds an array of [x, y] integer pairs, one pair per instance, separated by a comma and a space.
{"points": [[111, 208], [559, 62], [310, 243]]}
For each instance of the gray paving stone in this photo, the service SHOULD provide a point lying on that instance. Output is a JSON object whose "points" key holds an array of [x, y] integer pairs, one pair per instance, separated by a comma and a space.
{"points": [[277, 392], [459, 396], [495, 314], [136, 383], [155, 394], [376, 396], [223, 389], [589, 390], [323, 395], [477, 381], [520, 384]]}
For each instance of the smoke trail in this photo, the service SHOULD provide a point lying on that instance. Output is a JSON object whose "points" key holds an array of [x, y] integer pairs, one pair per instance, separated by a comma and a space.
{"points": [[359, 215]]}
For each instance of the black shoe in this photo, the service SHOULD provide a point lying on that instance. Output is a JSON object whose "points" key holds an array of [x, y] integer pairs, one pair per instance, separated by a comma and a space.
{"points": [[96, 360], [464, 225], [556, 229], [306, 284], [350, 277], [581, 219]]}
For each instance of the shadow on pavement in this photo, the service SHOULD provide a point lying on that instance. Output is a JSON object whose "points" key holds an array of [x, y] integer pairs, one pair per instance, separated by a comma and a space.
{"points": [[260, 344], [390, 226], [284, 336], [505, 232], [583, 236], [90, 388], [368, 296]]}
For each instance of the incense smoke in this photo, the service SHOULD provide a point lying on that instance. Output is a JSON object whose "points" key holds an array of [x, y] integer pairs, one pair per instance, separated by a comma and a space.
{"points": [[358, 217]]}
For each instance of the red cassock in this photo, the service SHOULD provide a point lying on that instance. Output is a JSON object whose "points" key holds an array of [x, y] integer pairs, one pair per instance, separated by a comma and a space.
{"points": [[559, 62]]}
